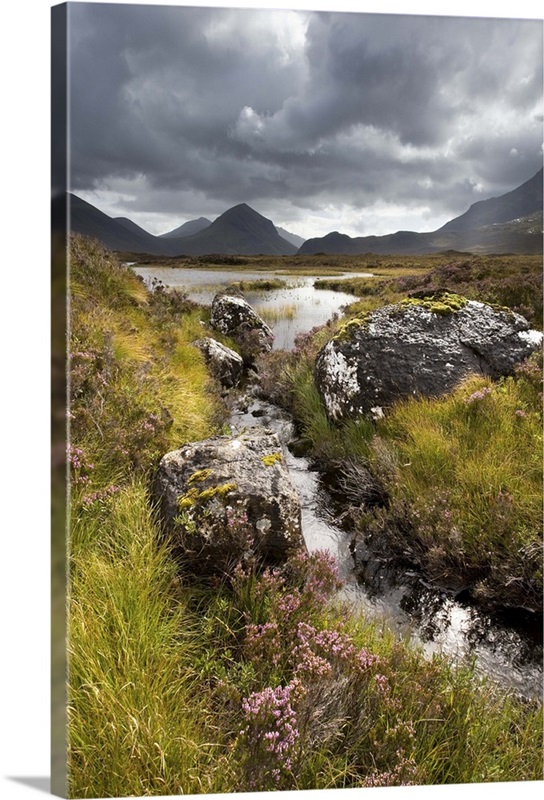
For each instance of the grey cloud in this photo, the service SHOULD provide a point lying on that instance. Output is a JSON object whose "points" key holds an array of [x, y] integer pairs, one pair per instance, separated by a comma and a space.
{"points": [[297, 110]]}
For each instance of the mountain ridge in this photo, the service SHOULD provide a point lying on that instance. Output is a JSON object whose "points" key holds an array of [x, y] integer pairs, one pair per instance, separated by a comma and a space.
{"points": [[508, 223], [240, 230], [496, 225], [187, 229]]}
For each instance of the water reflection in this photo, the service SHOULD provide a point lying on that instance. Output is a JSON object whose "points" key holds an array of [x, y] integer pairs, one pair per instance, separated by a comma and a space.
{"points": [[295, 309]]}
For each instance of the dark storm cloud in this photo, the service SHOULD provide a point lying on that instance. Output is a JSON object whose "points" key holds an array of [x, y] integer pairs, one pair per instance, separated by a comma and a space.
{"points": [[191, 110]]}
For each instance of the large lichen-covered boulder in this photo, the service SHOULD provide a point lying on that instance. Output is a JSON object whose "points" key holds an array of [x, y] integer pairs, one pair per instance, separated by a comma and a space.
{"points": [[234, 316], [223, 362], [225, 498], [420, 346]]}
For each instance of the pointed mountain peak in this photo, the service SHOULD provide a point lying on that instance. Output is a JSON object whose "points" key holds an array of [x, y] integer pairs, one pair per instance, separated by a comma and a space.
{"points": [[241, 210]]}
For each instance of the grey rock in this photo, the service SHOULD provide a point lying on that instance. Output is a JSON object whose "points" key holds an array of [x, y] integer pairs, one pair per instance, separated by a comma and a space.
{"points": [[224, 364], [234, 316], [407, 349], [224, 499]]}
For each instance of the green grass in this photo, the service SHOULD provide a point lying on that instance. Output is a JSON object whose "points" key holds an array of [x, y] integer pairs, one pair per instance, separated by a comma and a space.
{"points": [[138, 722], [466, 485], [160, 665], [512, 281], [260, 285]]}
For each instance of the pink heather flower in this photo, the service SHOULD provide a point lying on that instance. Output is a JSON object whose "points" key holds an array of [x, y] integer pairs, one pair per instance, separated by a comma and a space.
{"points": [[382, 683], [520, 413], [79, 464], [479, 395], [366, 660], [289, 603], [272, 725], [95, 497]]}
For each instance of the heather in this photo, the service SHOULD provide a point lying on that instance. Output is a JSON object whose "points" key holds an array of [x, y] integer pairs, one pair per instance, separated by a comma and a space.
{"points": [[512, 281], [464, 481], [259, 679], [453, 485]]}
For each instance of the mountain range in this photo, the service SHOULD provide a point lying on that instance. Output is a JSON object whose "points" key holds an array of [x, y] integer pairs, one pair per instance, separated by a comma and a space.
{"points": [[511, 222], [240, 230]]}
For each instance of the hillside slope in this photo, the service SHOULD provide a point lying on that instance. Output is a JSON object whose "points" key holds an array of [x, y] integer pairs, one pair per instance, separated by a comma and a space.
{"points": [[116, 234], [511, 223], [240, 230]]}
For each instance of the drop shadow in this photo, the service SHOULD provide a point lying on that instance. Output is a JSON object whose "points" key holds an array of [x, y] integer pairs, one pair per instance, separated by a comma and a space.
{"points": [[38, 782]]}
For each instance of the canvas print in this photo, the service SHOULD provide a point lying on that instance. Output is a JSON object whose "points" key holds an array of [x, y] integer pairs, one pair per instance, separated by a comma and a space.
{"points": [[297, 466]]}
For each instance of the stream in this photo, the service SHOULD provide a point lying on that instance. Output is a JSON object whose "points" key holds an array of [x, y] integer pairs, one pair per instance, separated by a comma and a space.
{"points": [[507, 650], [510, 654]]}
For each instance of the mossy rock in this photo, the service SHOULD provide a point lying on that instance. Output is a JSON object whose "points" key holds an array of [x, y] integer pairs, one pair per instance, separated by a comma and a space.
{"points": [[442, 302], [244, 504], [424, 345]]}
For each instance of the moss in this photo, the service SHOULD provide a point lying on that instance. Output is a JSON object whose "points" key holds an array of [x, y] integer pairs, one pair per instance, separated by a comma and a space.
{"points": [[200, 475], [346, 330], [271, 459], [213, 491], [441, 303], [187, 500]]}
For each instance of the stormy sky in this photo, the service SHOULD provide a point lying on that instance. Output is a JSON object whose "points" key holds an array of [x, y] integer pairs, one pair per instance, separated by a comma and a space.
{"points": [[321, 121]]}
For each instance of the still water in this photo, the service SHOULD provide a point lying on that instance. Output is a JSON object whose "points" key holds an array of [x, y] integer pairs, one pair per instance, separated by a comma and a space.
{"points": [[291, 310]]}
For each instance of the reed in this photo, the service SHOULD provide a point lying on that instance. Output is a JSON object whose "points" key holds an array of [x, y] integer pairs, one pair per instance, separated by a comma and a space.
{"points": [[274, 314]]}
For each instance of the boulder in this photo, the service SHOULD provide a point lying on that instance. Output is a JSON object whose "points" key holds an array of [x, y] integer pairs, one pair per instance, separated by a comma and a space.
{"points": [[224, 364], [420, 346], [234, 316], [225, 498]]}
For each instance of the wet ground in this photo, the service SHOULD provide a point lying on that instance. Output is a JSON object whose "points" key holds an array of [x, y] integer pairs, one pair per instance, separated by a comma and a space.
{"points": [[507, 649], [299, 306]]}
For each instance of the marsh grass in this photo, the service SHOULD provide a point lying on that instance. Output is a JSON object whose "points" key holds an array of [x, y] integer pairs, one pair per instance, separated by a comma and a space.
{"points": [[274, 314], [467, 483], [162, 668], [512, 281], [261, 285]]}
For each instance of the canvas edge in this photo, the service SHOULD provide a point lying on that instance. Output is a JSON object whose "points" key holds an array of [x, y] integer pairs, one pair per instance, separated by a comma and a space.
{"points": [[59, 324]]}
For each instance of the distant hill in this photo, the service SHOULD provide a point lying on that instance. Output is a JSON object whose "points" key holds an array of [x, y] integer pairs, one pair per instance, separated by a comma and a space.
{"points": [[187, 229], [290, 237], [122, 235], [520, 202], [240, 230], [132, 226], [510, 223]]}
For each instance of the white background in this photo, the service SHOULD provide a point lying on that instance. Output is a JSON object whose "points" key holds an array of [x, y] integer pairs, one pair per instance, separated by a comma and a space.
{"points": [[24, 433]]}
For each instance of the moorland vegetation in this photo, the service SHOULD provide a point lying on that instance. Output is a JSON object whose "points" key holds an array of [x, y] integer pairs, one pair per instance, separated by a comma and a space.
{"points": [[260, 679]]}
